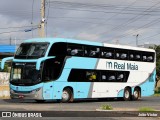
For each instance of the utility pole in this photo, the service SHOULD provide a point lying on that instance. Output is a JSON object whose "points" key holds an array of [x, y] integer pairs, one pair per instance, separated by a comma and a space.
{"points": [[117, 42], [42, 23], [10, 40], [137, 40]]}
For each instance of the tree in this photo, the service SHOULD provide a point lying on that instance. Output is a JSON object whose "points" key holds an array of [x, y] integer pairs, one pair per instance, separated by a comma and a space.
{"points": [[157, 49]]}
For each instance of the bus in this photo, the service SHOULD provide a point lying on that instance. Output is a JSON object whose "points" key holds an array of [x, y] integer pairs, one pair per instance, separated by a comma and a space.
{"points": [[67, 69]]}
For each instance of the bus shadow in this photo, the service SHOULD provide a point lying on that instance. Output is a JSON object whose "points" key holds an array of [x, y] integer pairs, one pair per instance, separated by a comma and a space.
{"points": [[98, 100], [75, 101]]}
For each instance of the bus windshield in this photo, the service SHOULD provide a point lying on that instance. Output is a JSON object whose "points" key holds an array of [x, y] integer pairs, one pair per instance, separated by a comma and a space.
{"points": [[31, 50], [25, 74]]}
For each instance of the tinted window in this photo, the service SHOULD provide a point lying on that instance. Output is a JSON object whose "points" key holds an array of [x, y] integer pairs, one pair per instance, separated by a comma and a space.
{"points": [[71, 49], [58, 49], [131, 56], [91, 76], [92, 51], [144, 58], [137, 56], [75, 50], [107, 53], [121, 54], [82, 75], [147, 57], [31, 50]]}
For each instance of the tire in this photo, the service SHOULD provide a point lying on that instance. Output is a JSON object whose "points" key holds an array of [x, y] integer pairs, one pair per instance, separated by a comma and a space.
{"points": [[67, 96], [127, 94], [136, 94]]}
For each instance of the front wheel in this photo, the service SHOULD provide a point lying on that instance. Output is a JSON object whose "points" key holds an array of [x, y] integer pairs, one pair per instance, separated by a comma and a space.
{"points": [[136, 94], [127, 94], [67, 95]]}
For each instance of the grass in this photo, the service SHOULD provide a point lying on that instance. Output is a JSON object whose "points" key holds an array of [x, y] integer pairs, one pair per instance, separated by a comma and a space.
{"points": [[106, 107], [157, 95], [146, 109]]}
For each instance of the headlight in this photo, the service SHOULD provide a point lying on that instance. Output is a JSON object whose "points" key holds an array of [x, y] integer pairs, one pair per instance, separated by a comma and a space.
{"points": [[36, 90]]}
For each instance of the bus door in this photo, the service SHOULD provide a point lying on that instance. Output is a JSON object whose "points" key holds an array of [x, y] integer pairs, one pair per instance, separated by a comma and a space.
{"points": [[51, 72]]}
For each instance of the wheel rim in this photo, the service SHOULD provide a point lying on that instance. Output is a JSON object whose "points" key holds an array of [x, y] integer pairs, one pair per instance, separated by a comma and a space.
{"points": [[136, 94], [127, 94], [65, 95]]}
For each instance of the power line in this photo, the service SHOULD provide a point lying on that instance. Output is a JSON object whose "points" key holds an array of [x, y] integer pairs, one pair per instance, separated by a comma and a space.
{"points": [[107, 12], [17, 27], [110, 17], [12, 31], [113, 7], [131, 19], [147, 37], [27, 30], [144, 26], [77, 4]]}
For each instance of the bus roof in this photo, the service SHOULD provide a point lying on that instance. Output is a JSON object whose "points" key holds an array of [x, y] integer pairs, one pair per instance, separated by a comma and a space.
{"points": [[53, 40]]}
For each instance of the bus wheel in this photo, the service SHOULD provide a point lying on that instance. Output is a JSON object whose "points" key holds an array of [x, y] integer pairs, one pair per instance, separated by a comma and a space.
{"points": [[127, 94], [136, 94], [66, 95]]}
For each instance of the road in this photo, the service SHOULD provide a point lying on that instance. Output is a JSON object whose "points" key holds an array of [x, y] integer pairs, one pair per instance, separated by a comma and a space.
{"points": [[80, 105]]}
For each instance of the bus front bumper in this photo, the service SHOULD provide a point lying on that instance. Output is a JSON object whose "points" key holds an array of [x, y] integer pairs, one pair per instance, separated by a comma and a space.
{"points": [[35, 94]]}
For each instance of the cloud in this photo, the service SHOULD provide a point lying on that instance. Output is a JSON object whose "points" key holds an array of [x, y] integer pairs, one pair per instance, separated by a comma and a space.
{"points": [[88, 36], [97, 20]]}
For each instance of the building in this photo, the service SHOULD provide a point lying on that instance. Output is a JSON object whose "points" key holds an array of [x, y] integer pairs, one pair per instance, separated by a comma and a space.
{"points": [[7, 50]]}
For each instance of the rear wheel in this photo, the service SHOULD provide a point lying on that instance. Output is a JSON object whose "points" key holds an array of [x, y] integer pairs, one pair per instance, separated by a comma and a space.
{"points": [[136, 94], [127, 94], [67, 95]]}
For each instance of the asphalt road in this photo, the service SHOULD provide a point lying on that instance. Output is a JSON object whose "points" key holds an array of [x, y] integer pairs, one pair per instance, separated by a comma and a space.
{"points": [[80, 105]]}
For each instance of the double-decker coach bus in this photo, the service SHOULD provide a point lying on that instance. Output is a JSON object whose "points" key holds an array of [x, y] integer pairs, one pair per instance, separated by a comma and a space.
{"points": [[67, 69]]}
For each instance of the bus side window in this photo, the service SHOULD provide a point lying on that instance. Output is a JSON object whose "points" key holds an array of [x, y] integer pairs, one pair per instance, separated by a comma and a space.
{"points": [[104, 77], [91, 76], [144, 58], [107, 53], [149, 58], [75, 50], [111, 77], [120, 77], [121, 54], [131, 56], [58, 49], [137, 56], [92, 51], [124, 56]]}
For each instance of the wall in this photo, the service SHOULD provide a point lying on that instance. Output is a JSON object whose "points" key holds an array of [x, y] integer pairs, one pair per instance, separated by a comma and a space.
{"points": [[4, 85]]}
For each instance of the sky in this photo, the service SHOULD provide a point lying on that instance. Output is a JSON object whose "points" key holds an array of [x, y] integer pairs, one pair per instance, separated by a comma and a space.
{"points": [[109, 21]]}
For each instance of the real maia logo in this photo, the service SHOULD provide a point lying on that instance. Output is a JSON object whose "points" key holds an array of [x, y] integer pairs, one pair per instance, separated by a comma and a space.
{"points": [[122, 66]]}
